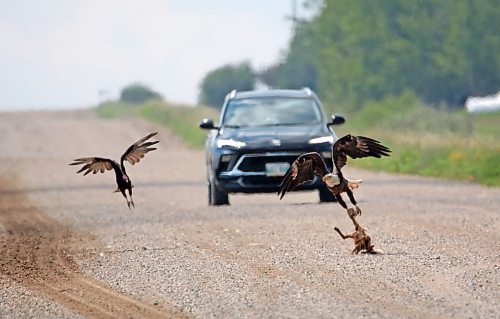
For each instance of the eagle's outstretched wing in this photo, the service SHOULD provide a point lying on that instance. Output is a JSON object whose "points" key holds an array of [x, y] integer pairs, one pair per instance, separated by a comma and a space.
{"points": [[356, 147], [137, 150], [303, 169], [94, 164]]}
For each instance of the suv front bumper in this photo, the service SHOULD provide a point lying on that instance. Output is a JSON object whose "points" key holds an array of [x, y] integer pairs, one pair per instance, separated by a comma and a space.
{"points": [[249, 175]]}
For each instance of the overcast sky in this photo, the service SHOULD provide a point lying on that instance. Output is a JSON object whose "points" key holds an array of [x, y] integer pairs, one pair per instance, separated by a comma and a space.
{"points": [[60, 53]]}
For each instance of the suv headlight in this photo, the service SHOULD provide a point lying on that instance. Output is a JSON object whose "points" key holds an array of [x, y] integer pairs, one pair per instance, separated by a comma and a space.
{"points": [[231, 143], [322, 139]]}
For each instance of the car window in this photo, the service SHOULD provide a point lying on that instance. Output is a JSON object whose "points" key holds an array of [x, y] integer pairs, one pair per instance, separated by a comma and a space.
{"points": [[271, 111]]}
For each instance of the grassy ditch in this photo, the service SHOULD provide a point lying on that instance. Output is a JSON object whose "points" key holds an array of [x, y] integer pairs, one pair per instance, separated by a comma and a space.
{"points": [[430, 141], [181, 119], [443, 156]]}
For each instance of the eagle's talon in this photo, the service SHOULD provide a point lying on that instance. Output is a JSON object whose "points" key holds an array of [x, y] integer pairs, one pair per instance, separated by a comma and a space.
{"points": [[358, 210], [351, 212], [309, 165]]}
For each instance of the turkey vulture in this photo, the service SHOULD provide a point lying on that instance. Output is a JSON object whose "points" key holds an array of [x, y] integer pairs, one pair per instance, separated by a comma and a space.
{"points": [[306, 166], [132, 155]]}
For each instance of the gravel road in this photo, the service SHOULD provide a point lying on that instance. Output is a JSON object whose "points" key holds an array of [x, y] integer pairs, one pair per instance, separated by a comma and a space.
{"points": [[70, 247]]}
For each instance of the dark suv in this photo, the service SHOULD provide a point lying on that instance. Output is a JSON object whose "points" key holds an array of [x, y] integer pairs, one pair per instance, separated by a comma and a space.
{"points": [[260, 133]]}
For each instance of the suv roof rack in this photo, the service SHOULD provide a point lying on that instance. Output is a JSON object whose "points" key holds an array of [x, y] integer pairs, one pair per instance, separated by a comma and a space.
{"points": [[232, 94], [307, 90]]}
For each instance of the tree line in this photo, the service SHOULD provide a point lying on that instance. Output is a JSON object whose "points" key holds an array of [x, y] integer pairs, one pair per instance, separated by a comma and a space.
{"points": [[354, 52]]}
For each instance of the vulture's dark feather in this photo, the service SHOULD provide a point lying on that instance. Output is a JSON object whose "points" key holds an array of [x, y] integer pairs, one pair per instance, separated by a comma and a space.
{"points": [[137, 150]]}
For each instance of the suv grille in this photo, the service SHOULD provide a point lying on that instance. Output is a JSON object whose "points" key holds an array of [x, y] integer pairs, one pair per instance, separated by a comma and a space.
{"points": [[261, 181], [250, 169], [258, 163]]}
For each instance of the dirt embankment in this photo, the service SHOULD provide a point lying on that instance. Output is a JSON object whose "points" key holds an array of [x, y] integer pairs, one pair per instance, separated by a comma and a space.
{"points": [[37, 252]]}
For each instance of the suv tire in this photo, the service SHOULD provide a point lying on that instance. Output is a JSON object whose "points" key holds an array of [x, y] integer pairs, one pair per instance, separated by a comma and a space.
{"points": [[215, 196], [325, 196]]}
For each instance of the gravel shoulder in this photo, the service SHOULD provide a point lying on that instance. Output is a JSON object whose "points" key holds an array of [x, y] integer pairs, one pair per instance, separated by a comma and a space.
{"points": [[71, 248]]}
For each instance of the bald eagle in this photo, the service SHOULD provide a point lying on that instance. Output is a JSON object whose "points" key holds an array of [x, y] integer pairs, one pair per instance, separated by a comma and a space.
{"points": [[308, 165], [132, 155]]}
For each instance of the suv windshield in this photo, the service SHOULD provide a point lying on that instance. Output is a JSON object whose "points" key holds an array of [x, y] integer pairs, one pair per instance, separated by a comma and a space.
{"points": [[268, 111]]}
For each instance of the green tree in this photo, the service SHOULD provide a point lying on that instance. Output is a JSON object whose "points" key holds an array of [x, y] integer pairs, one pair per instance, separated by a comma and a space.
{"points": [[137, 93], [298, 69], [358, 51], [217, 83]]}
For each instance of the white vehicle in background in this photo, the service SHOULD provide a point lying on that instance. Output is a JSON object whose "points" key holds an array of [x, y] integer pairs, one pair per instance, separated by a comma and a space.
{"points": [[483, 103]]}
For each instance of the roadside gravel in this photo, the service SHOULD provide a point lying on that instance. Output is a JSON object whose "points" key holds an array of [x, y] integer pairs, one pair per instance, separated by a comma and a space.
{"points": [[259, 257]]}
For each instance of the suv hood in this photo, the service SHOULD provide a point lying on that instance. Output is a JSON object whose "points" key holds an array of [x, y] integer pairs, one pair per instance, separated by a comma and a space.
{"points": [[274, 136]]}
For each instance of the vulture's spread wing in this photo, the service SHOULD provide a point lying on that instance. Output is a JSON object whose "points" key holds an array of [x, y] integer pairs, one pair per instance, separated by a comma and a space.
{"points": [[303, 169], [356, 147], [137, 150], [94, 164]]}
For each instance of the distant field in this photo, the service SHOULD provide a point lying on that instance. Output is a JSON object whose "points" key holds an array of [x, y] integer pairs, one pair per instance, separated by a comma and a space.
{"points": [[464, 147], [424, 142], [181, 119], [448, 156]]}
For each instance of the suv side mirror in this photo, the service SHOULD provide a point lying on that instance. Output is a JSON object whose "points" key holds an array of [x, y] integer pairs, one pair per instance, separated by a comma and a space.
{"points": [[337, 120], [207, 124]]}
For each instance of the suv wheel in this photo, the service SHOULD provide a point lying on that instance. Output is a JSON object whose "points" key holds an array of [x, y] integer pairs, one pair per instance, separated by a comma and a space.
{"points": [[325, 196], [215, 196]]}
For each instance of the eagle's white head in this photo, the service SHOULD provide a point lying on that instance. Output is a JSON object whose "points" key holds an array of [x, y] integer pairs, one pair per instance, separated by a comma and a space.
{"points": [[331, 180]]}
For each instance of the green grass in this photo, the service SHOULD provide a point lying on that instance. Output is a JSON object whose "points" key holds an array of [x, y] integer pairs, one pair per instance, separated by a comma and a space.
{"points": [[424, 141], [183, 120], [430, 141], [487, 124], [478, 163], [114, 109]]}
